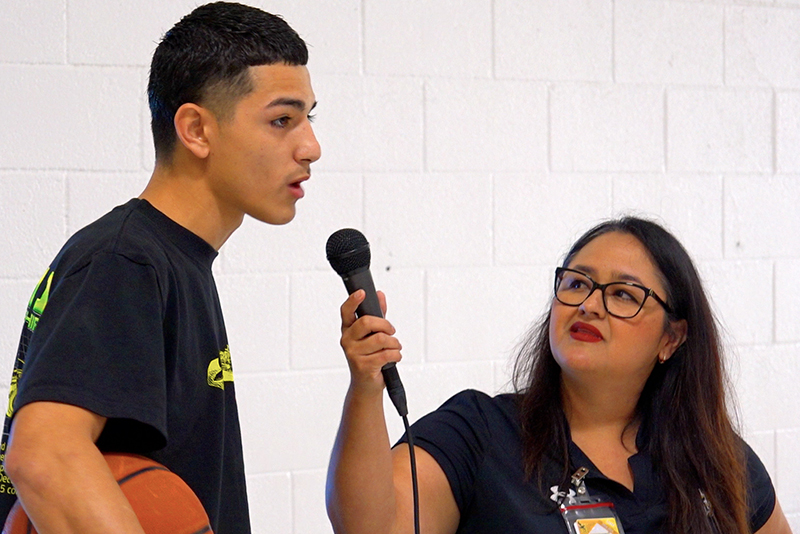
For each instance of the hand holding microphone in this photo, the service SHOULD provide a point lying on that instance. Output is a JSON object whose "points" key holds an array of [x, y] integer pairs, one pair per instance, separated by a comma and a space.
{"points": [[349, 255]]}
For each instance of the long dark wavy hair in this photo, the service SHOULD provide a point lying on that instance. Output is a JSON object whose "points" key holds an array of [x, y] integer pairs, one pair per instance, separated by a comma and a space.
{"points": [[682, 408]]}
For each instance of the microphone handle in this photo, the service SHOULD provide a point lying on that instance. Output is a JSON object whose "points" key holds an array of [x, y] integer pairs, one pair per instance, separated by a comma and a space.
{"points": [[362, 279]]}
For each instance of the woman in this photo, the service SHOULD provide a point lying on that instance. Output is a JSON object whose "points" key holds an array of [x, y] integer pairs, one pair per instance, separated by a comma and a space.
{"points": [[624, 377]]}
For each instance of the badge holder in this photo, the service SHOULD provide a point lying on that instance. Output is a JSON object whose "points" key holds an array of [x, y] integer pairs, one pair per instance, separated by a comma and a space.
{"points": [[584, 514]]}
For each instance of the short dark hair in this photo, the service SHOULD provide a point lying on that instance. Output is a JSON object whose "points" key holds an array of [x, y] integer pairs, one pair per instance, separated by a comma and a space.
{"points": [[205, 59]]}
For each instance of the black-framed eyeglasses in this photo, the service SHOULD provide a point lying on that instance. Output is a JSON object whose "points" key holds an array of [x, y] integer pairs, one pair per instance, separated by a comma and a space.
{"points": [[621, 299]]}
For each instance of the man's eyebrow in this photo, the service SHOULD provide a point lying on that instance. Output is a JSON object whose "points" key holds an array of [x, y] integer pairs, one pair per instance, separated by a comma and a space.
{"points": [[293, 102]]}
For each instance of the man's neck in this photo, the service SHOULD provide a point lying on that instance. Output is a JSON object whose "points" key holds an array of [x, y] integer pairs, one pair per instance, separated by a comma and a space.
{"points": [[183, 196]]}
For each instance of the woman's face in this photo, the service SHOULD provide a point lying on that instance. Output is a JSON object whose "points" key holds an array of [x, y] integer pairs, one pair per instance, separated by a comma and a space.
{"points": [[587, 342]]}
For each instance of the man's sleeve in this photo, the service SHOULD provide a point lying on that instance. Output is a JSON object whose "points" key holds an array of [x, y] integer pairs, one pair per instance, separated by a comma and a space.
{"points": [[99, 345]]}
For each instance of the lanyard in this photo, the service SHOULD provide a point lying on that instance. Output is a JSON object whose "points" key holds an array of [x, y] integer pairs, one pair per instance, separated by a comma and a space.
{"points": [[582, 513]]}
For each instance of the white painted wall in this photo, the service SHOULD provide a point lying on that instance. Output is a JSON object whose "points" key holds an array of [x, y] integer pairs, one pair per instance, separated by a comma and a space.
{"points": [[472, 141]]}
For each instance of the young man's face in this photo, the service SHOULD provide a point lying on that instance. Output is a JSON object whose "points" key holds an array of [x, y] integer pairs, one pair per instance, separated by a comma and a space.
{"points": [[260, 157]]}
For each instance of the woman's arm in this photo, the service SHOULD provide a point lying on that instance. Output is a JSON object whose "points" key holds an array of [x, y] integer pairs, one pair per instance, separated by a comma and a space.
{"points": [[777, 523], [438, 510], [369, 485]]}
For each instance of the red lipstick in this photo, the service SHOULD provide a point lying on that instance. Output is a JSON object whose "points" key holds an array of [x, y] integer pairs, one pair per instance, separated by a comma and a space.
{"points": [[585, 332]]}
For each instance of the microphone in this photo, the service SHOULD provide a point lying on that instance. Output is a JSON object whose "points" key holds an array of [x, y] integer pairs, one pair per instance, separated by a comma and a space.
{"points": [[348, 253]]}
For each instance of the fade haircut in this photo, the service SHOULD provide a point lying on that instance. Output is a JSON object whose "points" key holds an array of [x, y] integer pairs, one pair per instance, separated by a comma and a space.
{"points": [[205, 58]]}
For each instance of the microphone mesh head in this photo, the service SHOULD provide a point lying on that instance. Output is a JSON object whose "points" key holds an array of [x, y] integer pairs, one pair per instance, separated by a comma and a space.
{"points": [[347, 251]]}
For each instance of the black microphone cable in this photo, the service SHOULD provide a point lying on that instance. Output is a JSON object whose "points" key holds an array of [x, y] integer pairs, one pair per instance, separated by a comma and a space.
{"points": [[348, 253], [414, 486]]}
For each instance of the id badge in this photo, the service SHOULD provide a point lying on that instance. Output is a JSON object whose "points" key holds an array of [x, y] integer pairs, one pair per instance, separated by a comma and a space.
{"points": [[591, 518], [586, 515]]}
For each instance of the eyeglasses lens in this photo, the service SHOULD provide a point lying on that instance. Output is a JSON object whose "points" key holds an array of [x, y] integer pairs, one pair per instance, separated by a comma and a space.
{"points": [[620, 299]]}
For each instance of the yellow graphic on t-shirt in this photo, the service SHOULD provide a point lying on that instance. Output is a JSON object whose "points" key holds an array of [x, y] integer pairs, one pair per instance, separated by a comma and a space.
{"points": [[12, 391], [220, 369], [605, 525]]}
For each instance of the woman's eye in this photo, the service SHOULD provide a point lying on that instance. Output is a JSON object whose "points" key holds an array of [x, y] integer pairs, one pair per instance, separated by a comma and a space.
{"points": [[576, 283], [281, 122], [623, 294]]}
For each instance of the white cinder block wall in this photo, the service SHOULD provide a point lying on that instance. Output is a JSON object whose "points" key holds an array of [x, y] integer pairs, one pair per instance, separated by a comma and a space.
{"points": [[472, 141]]}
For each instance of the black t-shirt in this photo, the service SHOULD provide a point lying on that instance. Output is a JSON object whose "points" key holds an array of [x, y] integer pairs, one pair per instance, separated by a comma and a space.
{"points": [[127, 323], [476, 441]]}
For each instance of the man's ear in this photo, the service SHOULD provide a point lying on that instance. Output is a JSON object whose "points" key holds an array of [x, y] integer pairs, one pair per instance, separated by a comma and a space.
{"points": [[192, 124]]}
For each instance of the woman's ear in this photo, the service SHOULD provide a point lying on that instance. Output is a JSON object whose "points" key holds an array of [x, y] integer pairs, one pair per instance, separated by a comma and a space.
{"points": [[192, 123], [676, 336]]}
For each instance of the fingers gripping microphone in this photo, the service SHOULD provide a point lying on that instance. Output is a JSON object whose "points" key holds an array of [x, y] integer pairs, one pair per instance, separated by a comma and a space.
{"points": [[348, 253]]}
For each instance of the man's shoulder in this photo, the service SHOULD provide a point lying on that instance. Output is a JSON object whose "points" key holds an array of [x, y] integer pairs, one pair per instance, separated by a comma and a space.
{"points": [[124, 231]]}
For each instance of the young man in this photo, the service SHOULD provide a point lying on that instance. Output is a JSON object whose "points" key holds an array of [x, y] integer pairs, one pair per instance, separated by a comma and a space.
{"points": [[124, 347]]}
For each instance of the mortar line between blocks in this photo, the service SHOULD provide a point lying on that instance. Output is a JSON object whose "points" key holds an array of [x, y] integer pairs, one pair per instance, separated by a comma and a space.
{"points": [[666, 130], [724, 216], [289, 287], [292, 507], [492, 218], [774, 301], [549, 104], [774, 131], [363, 61], [613, 41], [67, 202], [65, 51], [425, 126], [493, 44], [724, 46], [425, 301], [363, 200]]}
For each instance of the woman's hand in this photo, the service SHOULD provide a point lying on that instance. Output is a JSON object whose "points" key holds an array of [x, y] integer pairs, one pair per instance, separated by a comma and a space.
{"points": [[368, 343], [369, 485]]}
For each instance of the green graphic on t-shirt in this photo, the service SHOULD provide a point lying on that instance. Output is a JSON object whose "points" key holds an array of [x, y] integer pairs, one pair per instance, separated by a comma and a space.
{"points": [[36, 305]]}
